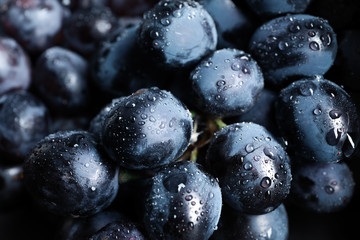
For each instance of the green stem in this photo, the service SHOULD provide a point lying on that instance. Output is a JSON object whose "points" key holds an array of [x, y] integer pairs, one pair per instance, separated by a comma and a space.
{"points": [[219, 122]]}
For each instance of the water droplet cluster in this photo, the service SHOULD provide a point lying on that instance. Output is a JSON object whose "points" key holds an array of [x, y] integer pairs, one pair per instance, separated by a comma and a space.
{"points": [[147, 129], [227, 82], [165, 33], [252, 167], [295, 45], [320, 120], [79, 179], [184, 202]]}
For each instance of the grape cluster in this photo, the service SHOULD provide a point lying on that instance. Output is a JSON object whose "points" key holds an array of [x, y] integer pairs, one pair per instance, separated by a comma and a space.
{"points": [[179, 119]]}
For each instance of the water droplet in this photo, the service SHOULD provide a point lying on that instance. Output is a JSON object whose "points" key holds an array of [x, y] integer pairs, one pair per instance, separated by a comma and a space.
{"points": [[93, 189], [177, 13], [309, 25], [267, 194], [245, 70], [334, 114], [143, 116], [270, 39], [265, 182], [218, 97], [314, 46], [312, 33], [248, 166], [175, 182], [257, 158], [351, 141], [329, 189], [236, 66], [317, 111], [283, 45], [245, 57], [165, 21], [211, 195], [162, 125], [249, 148], [208, 63], [269, 152], [244, 182], [333, 137], [191, 225], [155, 34], [326, 39], [130, 104], [188, 197], [220, 83], [307, 89], [152, 119], [294, 28]]}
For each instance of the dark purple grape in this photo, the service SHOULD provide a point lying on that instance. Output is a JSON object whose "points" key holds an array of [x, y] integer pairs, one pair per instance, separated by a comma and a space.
{"points": [[105, 160], [167, 37], [87, 27], [293, 46], [35, 24], [147, 129], [119, 67], [61, 80], [253, 168], [184, 203], [15, 66], [241, 226], [68, 174], [24, 120], [322, 187], [226, 82], [318, 120]]}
